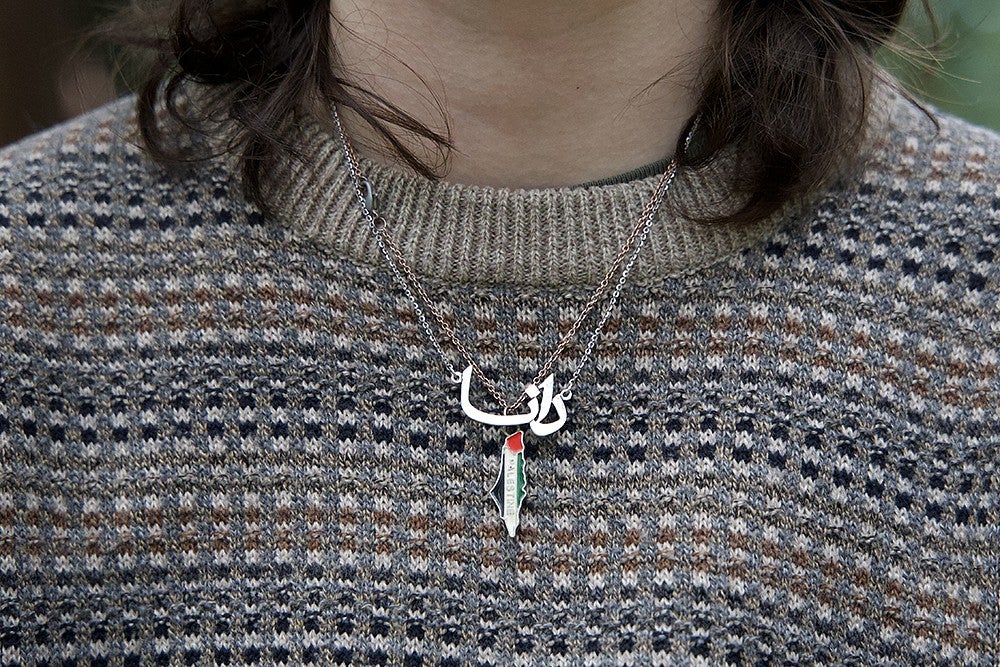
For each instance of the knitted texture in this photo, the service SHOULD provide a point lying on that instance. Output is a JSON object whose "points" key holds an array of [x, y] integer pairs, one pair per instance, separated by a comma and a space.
{"points": [[225, 439]]}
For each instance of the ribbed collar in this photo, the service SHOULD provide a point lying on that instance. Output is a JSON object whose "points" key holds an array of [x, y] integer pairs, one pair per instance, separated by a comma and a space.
{"points": [[543, 237]]}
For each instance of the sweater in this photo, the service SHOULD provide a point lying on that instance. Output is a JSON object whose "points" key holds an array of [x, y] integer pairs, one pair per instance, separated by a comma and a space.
{"points": [[225, 438]]}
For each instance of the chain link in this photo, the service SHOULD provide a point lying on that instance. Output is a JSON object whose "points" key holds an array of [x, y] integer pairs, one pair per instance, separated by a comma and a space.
{"points": [[394, 257]]}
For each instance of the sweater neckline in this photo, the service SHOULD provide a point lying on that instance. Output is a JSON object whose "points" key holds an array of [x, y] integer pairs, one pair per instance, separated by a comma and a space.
{"points": [[551, 237]]}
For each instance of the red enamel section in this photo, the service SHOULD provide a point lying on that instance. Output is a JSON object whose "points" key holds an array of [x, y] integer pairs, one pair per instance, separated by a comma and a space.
{"points": [[514, 442]]}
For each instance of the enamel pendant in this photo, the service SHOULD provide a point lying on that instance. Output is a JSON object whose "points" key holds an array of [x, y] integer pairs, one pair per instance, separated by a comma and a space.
{"points": [[509, 490]]}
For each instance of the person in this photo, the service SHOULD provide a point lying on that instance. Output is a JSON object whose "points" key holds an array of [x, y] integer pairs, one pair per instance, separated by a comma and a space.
{"points": [[484, 333]]}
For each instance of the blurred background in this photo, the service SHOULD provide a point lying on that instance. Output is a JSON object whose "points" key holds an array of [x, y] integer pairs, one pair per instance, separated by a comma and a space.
{"points": [[45, 77]]}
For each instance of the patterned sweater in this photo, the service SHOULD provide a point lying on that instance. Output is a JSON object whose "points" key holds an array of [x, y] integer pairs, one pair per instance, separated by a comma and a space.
{"points": [[225, 439]]}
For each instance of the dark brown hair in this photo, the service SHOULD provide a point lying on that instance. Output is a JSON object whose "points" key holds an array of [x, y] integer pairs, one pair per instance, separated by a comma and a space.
{"points": [[788, 79]]}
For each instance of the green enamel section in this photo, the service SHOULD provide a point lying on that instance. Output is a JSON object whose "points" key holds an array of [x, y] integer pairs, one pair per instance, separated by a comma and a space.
{"points": [[520, 479]]}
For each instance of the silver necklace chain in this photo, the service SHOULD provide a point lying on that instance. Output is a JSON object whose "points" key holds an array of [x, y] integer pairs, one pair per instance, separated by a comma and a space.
{"points": [[394, 257]]}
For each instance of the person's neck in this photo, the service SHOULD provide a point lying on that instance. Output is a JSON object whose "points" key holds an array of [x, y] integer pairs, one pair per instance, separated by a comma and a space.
{"points": [[537, 94]]}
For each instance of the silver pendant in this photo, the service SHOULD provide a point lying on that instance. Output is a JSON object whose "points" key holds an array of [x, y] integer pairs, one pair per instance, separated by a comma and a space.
{"points": [[536, 411], [510, 488]]}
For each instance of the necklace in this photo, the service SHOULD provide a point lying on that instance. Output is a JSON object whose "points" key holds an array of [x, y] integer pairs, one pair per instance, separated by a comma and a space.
{"points": [[510, 488]]}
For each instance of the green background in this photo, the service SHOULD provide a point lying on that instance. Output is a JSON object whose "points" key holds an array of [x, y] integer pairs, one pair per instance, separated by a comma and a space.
{"points": [[965, 80]]}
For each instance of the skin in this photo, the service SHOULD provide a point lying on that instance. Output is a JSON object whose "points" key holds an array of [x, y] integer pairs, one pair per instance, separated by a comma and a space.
{"points": [[536, 94]]}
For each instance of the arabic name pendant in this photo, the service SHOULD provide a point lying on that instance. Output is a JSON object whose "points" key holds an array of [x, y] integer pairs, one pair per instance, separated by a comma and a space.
{"points": [[510, 488]]}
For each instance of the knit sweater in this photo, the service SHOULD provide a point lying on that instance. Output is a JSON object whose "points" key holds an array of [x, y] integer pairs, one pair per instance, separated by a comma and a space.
{"points": [[226, 439]]}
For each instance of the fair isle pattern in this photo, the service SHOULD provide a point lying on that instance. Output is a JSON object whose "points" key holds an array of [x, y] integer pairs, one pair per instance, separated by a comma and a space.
{"points": [[222, 443]]}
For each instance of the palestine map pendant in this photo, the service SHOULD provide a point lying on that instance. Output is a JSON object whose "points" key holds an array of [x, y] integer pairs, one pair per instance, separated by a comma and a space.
{"points": [[511, 486], [509, 491]]}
